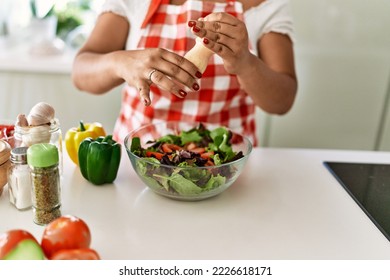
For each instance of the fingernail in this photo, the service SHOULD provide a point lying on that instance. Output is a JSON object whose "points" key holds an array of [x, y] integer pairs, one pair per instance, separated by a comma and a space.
{"points": [[196, 29], [191, 23], [195, 86], [205, 41], [198, 74], [182, 93]]}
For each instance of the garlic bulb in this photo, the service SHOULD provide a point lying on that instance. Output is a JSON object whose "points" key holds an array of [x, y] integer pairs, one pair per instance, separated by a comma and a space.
{"points": [[41, 113], [21, 120], [36, 127]]}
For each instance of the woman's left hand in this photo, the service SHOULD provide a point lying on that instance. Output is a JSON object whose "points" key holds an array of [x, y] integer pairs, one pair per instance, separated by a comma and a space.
{"points": [[226, 36]]}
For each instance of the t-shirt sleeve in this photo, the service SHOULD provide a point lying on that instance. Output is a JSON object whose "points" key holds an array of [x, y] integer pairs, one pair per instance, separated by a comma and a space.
{"points": [[281, 20], [270, 16], [132, 10], [115, 6]]}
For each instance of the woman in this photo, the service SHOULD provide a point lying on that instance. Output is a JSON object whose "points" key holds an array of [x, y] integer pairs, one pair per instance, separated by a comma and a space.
{"points": [[142, 43]]}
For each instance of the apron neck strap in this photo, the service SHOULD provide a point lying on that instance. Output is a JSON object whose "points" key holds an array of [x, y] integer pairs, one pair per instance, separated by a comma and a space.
{"points": [[154, 4]]}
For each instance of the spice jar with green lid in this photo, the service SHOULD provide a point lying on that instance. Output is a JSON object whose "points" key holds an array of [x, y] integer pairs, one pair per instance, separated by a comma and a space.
{"points": [[43, 161]]}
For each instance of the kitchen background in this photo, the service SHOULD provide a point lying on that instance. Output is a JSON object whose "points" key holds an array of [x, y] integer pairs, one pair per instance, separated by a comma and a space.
{"points": [[342, 59]]}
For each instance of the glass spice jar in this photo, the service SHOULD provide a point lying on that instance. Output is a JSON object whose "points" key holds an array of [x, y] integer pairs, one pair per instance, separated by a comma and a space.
{"points": [[19, 179], [5, 151], [25, 136], [46, 188]]}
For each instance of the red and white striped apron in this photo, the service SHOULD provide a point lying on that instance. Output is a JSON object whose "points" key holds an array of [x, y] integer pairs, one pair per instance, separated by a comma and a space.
{"points": [[220, 100]]}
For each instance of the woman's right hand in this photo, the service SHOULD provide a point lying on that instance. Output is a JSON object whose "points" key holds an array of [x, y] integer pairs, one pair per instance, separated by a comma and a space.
{"points": [[102, 63], [165, 69]]}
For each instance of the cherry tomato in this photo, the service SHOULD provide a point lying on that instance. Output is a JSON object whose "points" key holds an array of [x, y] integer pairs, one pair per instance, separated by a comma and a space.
{"points": [[66, 232], [76, 254], [20, 244]]}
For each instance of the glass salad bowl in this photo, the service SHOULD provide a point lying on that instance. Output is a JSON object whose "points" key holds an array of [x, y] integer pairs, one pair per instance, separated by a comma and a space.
{"points": [[187, 161]]}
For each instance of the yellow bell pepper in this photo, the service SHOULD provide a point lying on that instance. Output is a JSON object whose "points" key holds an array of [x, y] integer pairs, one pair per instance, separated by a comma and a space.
{"points": [[76, 135]]}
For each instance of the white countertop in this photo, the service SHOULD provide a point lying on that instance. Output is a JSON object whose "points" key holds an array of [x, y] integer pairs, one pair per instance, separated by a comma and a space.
{"points": [[285, 205]]}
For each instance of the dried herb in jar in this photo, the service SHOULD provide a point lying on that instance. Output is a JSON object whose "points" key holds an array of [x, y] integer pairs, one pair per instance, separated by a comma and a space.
{"points": [[43, 161]]}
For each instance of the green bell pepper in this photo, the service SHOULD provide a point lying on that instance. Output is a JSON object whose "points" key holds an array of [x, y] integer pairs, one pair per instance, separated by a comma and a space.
{"points": [[99, 159]]}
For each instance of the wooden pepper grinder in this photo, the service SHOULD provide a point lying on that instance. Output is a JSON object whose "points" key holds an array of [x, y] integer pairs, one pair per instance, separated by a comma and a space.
{"points": [[199, 55]]}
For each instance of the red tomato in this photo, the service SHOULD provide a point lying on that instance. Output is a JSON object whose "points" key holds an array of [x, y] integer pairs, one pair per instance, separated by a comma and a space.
{"points": [[19, 244], [66, 232], [76, 254]]}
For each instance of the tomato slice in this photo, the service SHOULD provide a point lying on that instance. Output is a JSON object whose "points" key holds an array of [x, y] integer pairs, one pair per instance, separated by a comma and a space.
{"points": [[169, 148], [198, 150], [19, 244], [76, 254], [157, 155], [207, 155], [165, 147]]}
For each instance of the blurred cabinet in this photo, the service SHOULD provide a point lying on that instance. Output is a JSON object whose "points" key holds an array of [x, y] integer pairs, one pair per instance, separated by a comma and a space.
{"points": [[340, 102], [19, 91]]}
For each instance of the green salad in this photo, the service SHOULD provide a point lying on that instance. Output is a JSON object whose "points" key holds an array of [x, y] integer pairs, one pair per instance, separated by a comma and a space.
{"points": [[181, 163]]}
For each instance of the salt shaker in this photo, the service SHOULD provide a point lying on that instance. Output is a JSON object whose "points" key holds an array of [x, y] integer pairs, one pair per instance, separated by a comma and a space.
{"points": [[19, 180], [43, 161]]}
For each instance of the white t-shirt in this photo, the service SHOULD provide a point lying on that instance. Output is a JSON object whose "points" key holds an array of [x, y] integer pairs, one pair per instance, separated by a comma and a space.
{"points": [[269, 16]]}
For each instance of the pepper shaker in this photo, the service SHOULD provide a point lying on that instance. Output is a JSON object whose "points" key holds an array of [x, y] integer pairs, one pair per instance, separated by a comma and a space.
{"points": [[19, 180], [43, 161]]}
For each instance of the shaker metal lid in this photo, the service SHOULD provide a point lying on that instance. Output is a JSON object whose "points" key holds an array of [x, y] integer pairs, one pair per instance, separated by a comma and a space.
{"points": [[19, 154], [5, 151]]}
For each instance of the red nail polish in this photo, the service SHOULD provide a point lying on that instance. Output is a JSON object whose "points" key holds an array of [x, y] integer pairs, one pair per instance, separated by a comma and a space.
{"points": [[195, 86], [198, 74], [205, 41], [182, 93], [196, 29], [191, 23]]}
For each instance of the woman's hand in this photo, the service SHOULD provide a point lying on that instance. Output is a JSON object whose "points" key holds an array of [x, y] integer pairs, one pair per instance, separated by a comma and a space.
{"points": [[102, 63], [226, 36], [165, 69], [271, 80]]}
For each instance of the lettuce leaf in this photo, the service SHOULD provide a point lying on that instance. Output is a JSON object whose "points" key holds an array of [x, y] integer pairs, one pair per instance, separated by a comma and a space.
{"points": [[190, 136], [135, 147], [181, 185], [214, 182]]}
